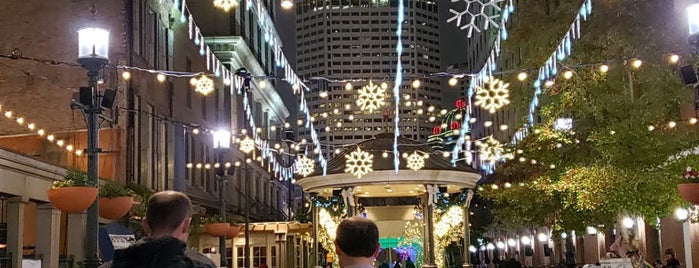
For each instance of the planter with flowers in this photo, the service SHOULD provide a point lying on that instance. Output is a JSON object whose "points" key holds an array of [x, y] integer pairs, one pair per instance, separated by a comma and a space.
{"points": [[72, 195], [215, 226], [116, 200], [233, 230], [689, 190]]}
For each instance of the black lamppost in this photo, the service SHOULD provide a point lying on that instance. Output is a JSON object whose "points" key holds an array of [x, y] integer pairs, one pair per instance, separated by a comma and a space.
{"points": [[222, 143], [93, 55]]}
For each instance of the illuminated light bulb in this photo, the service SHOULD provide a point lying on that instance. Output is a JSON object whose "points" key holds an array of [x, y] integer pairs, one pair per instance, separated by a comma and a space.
{"points": [[20, 120], [651, 128], [126, 75], [558, 145], [384, 85], [627, 222], [533, 162], [195, 131], [568, 74], [244, 131], [508, 185], [226, 81], [407, 104], [446, 154], [537, 131], [351, 117], [50, 137], [190, 165], [161, 78], [430, 109], [459, 116], [207, 166], [237, 163], [227, 165], [199, 165], [432, 118], [41, 132], [453, 81], [552, 166], [287, 4], [549, 83], [287, 125], [299, 122], [522, 76], [337, 151], [336, 111], [262, 84], [8, 114], [324, 115], [348, 107], [31, 126], [193, 81], [681, 214], [327, 129], [339, 124], [520, 151], [443, 111], [604, 68], [674, 58], [349, 86], [504, 127], [217, 165], [78, 152], [60, 143], [542, 237], [416, 83], [671, 124], [295, 87], [323, 94], [420, 103], [472, 120], [315, 150], [495, 187], [522, 159], [277, 146], [636, 63], [259, 130], [69, 148], [406, 96], [692, 121], [526, 240], [612, 132], [487, 123]]}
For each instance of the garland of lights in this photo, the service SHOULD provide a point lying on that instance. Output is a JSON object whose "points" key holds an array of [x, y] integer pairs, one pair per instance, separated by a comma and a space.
{"points": [[326, 234], [448, 227], [51, 138]]}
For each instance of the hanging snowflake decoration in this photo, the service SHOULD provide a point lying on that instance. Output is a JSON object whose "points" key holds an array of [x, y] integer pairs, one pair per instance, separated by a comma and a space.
{"points": [[304, 166], [203, 85], [359, 163], [247, 145], [371, 97], [416, 161], [487, 10], [494, 96], [491, 150], [225, 5]]}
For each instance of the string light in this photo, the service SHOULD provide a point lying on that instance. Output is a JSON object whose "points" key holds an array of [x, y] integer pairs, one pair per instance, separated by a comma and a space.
{"points": [[692, 121], [674, 59], [348, 86], [225, 5], [453, 81], [161, 78], [126, 75], [41, 132], [604, 68], [568, 74], [636, 63], [416, 83], [522, 76]]}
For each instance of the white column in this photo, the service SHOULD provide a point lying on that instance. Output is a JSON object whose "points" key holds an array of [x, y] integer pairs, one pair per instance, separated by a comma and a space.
{"points": [[687, 239], [15, 229], [75, 235], [48, 226]]}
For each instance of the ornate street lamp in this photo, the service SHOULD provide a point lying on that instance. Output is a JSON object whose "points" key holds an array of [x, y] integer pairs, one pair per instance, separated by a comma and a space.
{"points": [[93, 55], [287, 4], [693, 20], [222, 143]]}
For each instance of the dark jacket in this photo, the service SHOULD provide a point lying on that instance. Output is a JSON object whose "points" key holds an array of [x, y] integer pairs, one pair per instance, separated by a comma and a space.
{"points": [[158, 253]]}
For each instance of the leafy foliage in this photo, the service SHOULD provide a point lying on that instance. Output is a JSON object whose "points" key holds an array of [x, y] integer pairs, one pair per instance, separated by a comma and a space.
{"points": [[112, 189], [72, 178]]}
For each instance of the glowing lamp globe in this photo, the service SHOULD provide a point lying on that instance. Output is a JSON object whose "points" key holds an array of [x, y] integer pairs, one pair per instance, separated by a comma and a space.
{"points": [[222, 139], [93, 43]]}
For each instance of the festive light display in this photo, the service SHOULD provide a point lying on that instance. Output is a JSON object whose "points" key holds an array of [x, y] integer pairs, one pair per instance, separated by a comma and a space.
{"points": [[247, 145], [416, 161], [479, 15], [203, 85], [359, 163], [491, 150], [51, 138], [304, 166], [495, 96], [371, 97], [398, 82], [447, 228], [225, 5]]}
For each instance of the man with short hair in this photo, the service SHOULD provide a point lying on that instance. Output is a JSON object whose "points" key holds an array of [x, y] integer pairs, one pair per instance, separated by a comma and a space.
{"points": [[357, 243], [167, 227]]}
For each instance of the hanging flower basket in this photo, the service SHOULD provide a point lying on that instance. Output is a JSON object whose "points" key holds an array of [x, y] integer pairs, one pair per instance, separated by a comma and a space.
{"points": [[115, 208], [72, 199], [217, 229], [689, 192], [233, 230]]}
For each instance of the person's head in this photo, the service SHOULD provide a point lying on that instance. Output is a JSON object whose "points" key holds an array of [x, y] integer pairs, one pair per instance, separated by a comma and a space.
{"points": [[357, 237], [168, 214], [669, 254]]}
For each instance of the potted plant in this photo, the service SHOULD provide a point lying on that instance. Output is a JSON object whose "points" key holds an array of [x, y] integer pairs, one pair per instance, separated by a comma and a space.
{"points": [[233, 230], [216, 226], [72, 195], [115, 200], [689, 190]]}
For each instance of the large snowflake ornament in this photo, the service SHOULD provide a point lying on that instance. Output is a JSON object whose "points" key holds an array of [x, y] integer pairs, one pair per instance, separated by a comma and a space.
{"points": [[304, 166], [359, 163], [487, 10], [416, 161], [494, 96], [204, 85], [371, 97], [491, 150], [247, 145]]}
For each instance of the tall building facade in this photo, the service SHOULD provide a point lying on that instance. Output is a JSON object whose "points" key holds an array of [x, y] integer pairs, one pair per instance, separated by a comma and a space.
{"points": [[342, 45], [157, 139]]}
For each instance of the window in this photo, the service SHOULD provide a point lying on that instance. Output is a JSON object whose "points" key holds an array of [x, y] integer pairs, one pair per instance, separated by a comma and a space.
{"points": [[259, 256], [240, 257], [273, 257]]}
